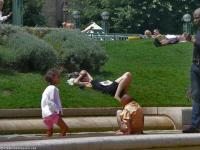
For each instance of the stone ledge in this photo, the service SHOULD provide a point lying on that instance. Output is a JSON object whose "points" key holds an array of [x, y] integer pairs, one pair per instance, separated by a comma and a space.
{"points": [[174, 113], [111, 142], [80, 124], [69, 112]]}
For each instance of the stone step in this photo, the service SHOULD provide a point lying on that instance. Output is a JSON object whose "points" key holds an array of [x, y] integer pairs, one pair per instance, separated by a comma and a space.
{"points": [[81, 124], [30, 137], [124, 142]]}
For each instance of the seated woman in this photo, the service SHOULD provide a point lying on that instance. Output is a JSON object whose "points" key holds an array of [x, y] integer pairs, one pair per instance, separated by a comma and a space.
{"points": [[131, 118], [116, 88]]}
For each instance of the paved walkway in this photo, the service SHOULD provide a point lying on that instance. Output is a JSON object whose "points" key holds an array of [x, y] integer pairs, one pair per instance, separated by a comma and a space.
{"points": [[28, 137], [167, 139]]}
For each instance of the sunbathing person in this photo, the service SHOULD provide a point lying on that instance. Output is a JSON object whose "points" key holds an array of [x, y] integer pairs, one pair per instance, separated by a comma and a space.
{"points": [[116, 88], [171, 39], [147, 34]]}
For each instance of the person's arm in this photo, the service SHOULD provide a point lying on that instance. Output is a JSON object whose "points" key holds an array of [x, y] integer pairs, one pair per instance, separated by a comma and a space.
{"points": [[82, 74], [129, 126], [90, 77], [127, 119], [77, 80], [164, 41], [4, 18], [57, 98]]}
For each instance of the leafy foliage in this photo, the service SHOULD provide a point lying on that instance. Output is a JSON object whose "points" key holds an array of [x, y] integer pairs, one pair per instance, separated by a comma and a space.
{"points": [[134, 16], [31, 53], [77, 51], [32, 12]]}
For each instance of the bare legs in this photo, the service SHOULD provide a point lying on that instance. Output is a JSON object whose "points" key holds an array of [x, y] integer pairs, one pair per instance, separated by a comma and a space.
{"points": [[64, 128], [124, 82]]}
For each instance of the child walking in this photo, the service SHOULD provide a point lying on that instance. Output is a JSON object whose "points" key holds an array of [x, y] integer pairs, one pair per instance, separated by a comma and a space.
{"points": [[51, 104]]}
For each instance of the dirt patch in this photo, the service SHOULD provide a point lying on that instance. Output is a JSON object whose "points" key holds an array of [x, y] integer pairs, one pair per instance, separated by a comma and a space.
{"points": [[7, 91]]}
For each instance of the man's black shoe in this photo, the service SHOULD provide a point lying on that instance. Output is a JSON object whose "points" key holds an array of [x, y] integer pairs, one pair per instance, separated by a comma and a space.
{"points": [[191, 130]]}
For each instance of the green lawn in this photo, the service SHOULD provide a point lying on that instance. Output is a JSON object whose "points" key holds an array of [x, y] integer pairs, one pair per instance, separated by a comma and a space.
{"points": [[160, 78]]}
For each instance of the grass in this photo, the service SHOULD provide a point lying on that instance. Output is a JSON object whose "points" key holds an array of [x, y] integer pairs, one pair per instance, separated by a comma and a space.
{"points": [[160, 78]]}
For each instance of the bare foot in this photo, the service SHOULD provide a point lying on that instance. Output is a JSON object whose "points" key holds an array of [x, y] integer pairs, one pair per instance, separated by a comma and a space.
{"points": [[118, 132], [63, 134]]}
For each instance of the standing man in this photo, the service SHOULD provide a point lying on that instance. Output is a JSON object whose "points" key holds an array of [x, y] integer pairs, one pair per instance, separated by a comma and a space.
{"points": [[3, 18], [195, 79]]}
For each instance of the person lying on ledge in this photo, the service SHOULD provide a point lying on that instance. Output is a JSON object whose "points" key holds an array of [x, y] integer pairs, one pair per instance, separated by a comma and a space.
{"points": [[131, 118], [116, 88]]}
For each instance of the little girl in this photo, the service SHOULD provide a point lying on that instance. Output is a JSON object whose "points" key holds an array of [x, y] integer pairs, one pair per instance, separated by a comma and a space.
{"points": [[51, 105]]}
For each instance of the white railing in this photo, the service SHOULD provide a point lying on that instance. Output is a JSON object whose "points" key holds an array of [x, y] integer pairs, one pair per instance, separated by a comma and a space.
{"points": [[111, 36]]}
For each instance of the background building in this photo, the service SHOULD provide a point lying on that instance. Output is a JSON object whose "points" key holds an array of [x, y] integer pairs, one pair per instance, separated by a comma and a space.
{"points": [[53, 12]]}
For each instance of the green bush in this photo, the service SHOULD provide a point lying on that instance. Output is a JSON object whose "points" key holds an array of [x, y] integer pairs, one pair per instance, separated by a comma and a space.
{"points": [[31, 53], [76, 51], [6, 57], [38, 31], [5, 30]]}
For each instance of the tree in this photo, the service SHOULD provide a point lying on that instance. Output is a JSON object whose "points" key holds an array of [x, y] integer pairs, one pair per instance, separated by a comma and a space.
{"points": [[135, 16], [32, 12]]}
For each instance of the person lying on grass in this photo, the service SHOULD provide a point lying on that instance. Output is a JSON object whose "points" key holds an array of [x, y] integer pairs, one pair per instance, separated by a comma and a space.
{"points": [[161, 40], [116, 88], [51, 105], [131, 118]]}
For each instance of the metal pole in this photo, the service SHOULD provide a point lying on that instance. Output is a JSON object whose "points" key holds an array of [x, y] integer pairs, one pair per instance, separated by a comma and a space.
{"points": [[17, 9], [106, 27]]}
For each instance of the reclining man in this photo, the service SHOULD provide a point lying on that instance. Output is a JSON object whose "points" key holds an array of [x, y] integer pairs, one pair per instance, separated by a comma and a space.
{"points": [[116, 88], [161, 40]]}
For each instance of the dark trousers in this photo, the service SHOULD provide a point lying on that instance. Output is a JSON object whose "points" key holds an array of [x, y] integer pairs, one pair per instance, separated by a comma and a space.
{"points": [[195, 87]]}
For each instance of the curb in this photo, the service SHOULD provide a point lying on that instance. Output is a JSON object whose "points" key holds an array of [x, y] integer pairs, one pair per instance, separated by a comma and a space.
{"points": [[110, 142]]}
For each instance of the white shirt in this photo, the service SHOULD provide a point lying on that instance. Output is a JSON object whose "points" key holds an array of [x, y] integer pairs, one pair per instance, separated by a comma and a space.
{"points": [[2, 18], [50, 102], [169, 36]]}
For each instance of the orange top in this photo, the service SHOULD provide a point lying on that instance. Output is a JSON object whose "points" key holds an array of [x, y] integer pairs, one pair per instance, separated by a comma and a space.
{"points": [[133, 111]]}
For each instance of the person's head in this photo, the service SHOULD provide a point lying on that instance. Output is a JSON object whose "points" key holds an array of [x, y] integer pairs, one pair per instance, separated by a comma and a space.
{"points": [[84, 75], [148, 33], [187, 36], [125, 99], [156, 32], [73, 75], [196, 17], [68, 25], [52, 76], [1, 4]]}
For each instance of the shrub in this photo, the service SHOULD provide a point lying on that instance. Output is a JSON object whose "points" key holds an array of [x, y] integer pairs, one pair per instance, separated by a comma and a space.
{"points": [[77, 51], [31, 53], [5, 30], [38, 31], [6, 57]]}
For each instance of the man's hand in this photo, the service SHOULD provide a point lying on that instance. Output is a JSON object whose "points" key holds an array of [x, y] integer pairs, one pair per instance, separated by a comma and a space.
{"points": [[10, 14]]}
